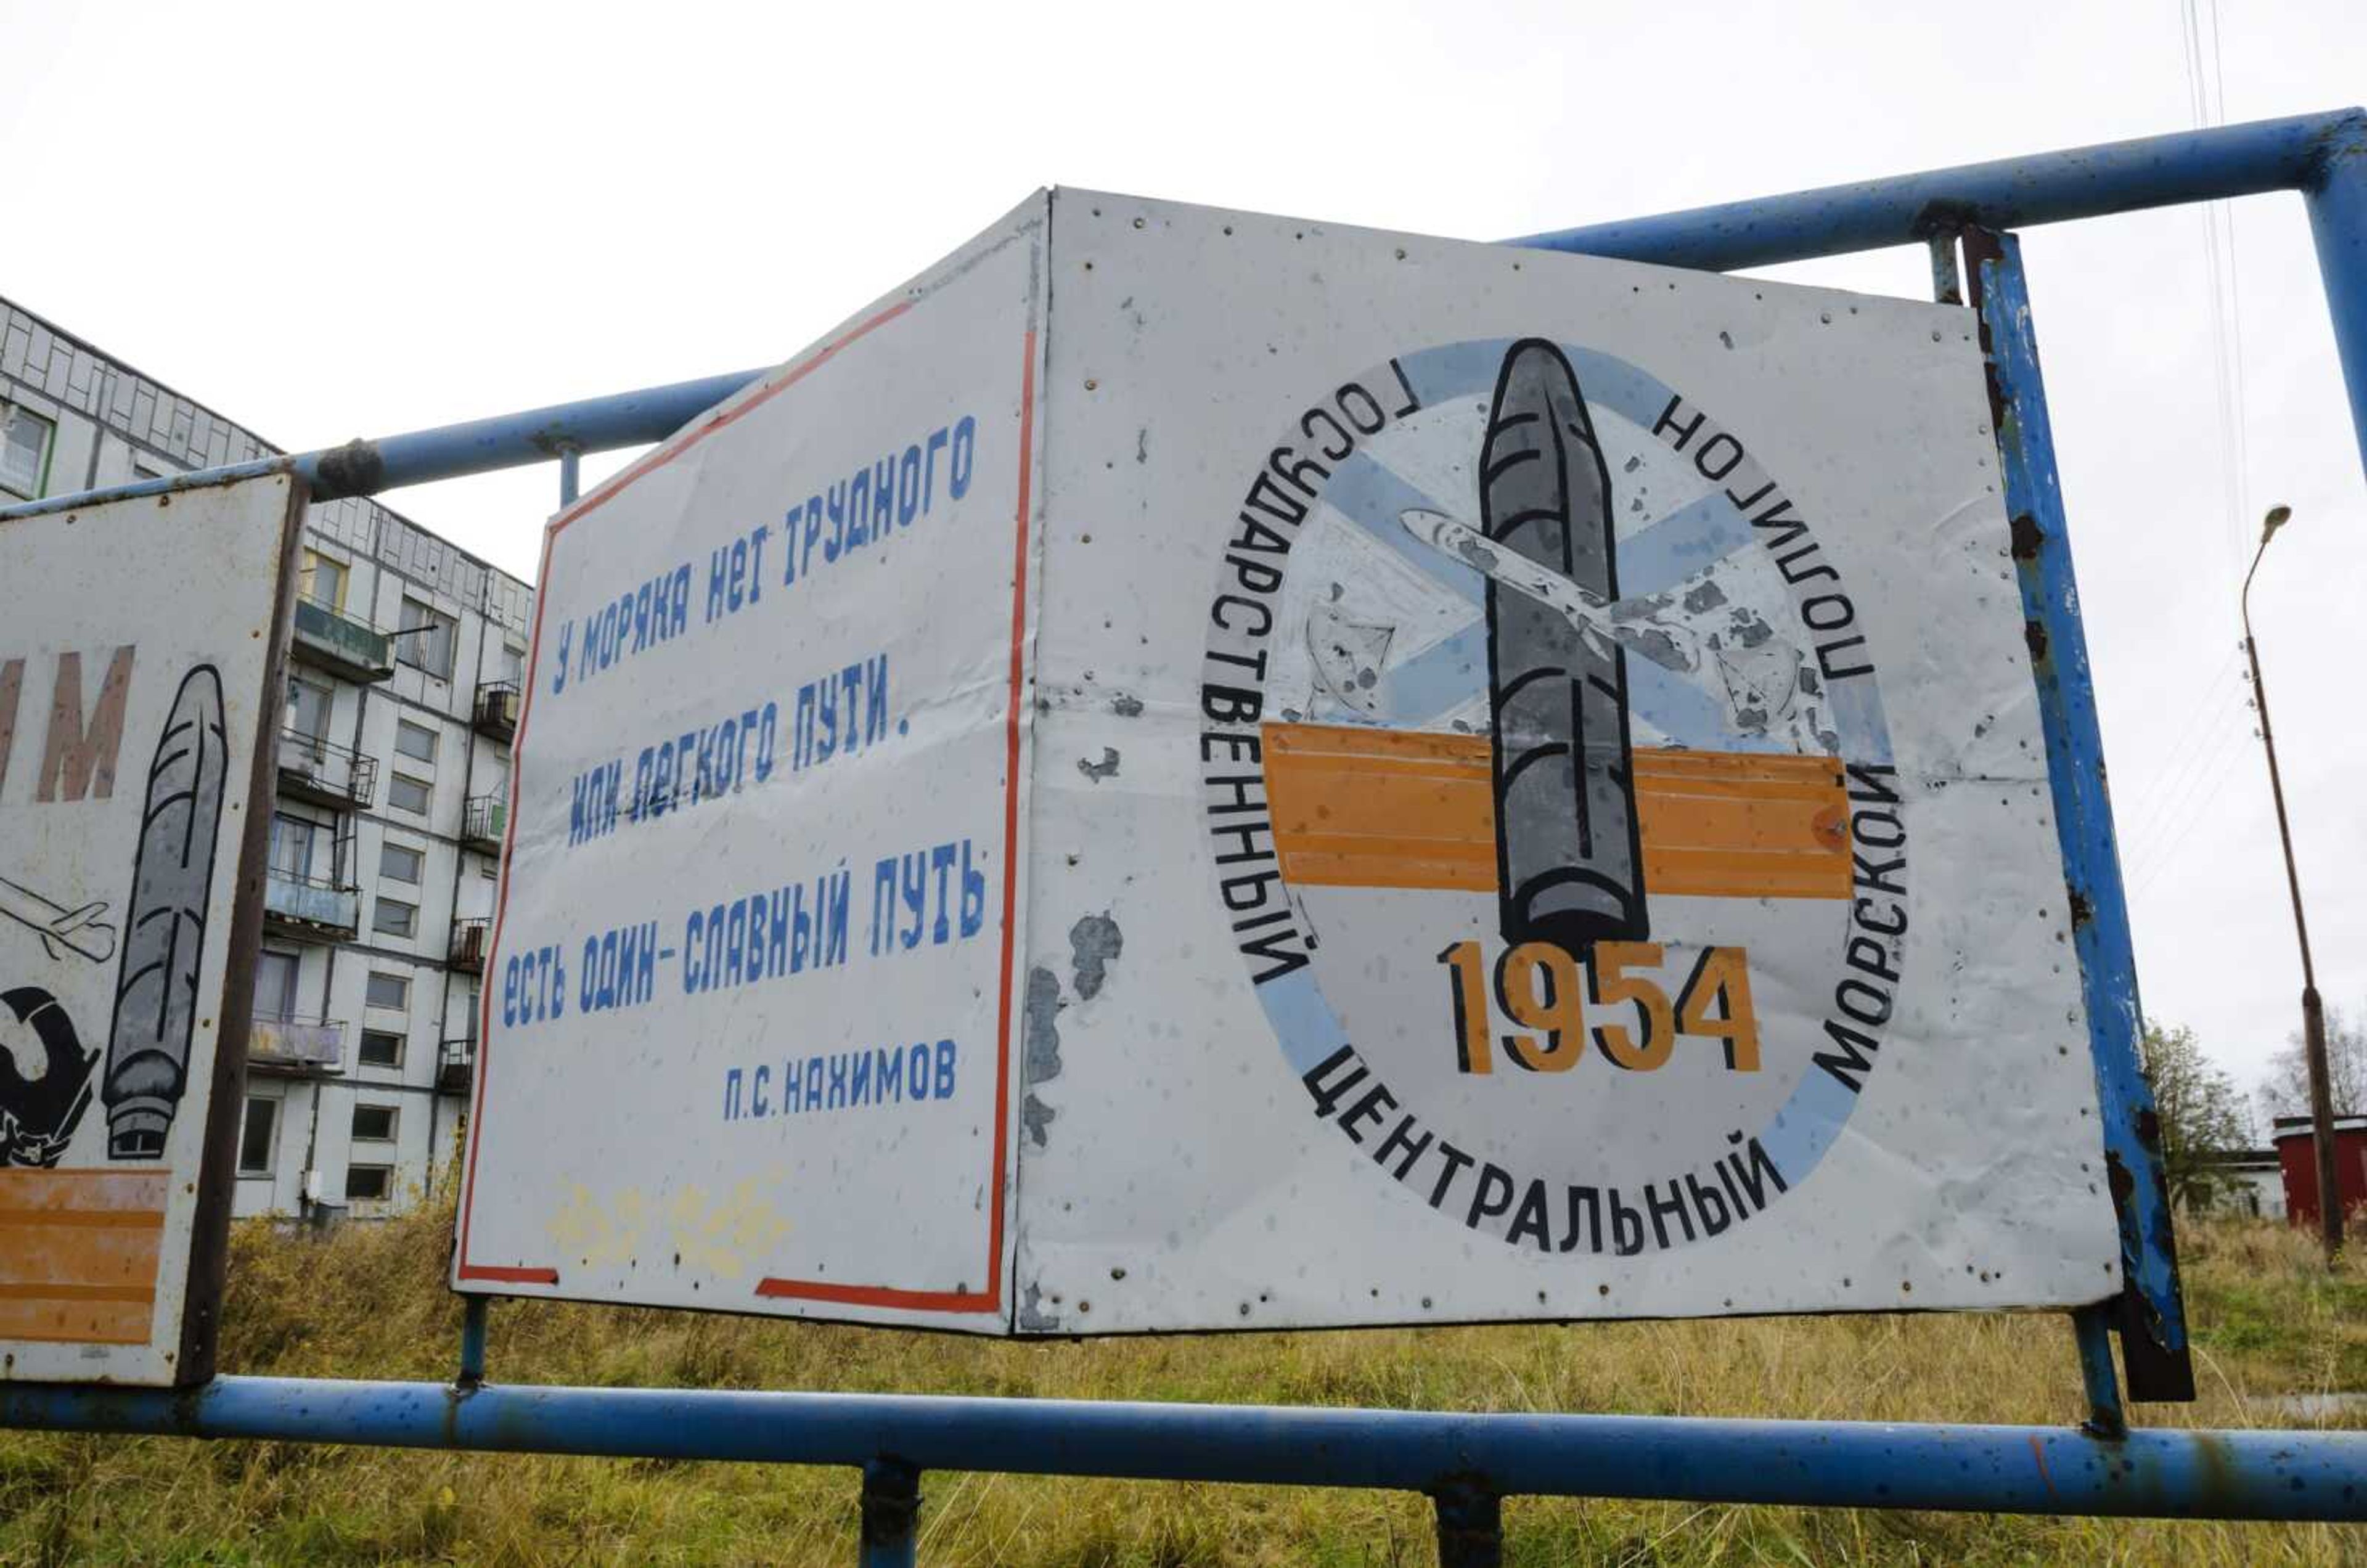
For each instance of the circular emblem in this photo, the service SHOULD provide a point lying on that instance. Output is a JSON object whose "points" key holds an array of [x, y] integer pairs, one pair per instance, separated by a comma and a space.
{"points": [[1549, 795]]}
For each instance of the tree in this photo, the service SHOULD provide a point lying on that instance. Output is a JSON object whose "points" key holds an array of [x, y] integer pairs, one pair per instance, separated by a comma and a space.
{"points": [[2201, 1112], [2286, 1092]]}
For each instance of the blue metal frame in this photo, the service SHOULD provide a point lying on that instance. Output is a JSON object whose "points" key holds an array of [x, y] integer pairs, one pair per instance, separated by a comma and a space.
{"points": [[2153, 1315], [1468, 1463], [2323, 156], [1854, 1465]]}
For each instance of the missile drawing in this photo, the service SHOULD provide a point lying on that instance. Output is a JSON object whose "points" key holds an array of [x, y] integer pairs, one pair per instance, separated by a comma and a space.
{"points": [[1569, 853], [62, 929], [164, 928]]}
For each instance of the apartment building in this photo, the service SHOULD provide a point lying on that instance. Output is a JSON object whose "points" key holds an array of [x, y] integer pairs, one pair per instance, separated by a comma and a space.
{"points": [[405, 661]]}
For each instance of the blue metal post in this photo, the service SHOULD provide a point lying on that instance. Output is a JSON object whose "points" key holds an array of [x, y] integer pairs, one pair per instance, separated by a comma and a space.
{"points": [[1947, 282], [2093, 1328], [1471, 1525], [2153, 1321], [570, 469], [891, 1514], [2337, 220], [472, 1341]]}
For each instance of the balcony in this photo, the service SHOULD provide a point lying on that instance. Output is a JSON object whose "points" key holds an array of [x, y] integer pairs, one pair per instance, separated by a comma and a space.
{"points": [[315, 909], [467, 950], [312, 769], [496, 716], [483, 821], [281, 1044], [342, 644], [456, 1065]]}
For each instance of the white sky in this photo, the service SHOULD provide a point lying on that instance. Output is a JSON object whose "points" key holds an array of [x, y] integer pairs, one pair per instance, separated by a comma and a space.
{"points": [[333, 220]]}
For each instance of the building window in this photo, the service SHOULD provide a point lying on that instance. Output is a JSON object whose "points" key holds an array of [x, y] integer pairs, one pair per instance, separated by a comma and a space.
{"points": [[24, 450], [369, 1183], [425, 640], [406, 794], [393, 917], [415, 740], [380, 1048], [400, 862], [388, 991], [373, 1124], [275, 985], [323, 580], [292, 846], [256, 1137], [307, 709]]}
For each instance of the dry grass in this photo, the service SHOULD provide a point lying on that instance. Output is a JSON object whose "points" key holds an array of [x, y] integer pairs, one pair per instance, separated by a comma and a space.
{"points": [[370, 1302]]}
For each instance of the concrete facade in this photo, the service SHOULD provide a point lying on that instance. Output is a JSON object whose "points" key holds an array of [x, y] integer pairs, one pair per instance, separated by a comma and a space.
{"points": [[393, 775]]}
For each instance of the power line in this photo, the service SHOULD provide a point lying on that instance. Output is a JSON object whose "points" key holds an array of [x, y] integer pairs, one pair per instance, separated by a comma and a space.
{"points": [[2226, 329], [2168, 857], [2169, 810], [2175, 808], [2202, 729]]}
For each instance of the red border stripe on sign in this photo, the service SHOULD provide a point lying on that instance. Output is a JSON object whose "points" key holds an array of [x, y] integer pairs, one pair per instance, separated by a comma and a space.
{"points": [[991, 1298]]}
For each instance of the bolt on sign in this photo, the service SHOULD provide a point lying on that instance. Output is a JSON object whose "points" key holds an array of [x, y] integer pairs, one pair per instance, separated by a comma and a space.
{"points": [[1189, 770], [139, 666]]}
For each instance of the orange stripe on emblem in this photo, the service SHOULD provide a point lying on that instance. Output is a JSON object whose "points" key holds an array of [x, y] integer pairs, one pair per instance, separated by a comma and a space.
{"points": [[1358, 808]]}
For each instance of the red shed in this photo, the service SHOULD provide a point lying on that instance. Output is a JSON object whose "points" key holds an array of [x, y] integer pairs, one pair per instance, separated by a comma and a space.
{"points": [[2296, 1152]]}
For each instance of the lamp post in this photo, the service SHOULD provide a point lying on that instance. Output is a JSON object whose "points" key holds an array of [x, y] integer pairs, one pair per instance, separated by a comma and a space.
{"points": [[2313, 1012]]}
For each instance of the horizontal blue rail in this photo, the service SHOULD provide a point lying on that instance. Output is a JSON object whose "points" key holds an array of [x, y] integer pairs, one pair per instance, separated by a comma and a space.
{"points": [[2031, 1470], [2298, 153], [2322, 155]]}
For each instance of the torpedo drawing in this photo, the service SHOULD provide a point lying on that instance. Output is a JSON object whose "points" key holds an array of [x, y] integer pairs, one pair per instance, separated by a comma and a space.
{"points": [[62, 929], [1570, 857], [164, 928]]}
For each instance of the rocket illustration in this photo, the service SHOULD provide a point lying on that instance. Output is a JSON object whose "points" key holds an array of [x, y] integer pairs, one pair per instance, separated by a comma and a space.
{"points": [[1568, 854], [164, 928], [61, 931]]}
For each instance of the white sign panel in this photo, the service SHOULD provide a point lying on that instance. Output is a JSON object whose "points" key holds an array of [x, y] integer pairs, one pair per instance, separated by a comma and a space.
{"points": [[749, 1009], [1529, 804], [138, 673]]}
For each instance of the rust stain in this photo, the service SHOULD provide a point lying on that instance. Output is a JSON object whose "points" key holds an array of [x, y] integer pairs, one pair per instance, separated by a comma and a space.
{"points": [[2038, 1452]]}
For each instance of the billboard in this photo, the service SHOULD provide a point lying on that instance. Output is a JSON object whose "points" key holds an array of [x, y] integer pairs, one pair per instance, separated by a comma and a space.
{"points": [[1191, 770], [138, 679]]}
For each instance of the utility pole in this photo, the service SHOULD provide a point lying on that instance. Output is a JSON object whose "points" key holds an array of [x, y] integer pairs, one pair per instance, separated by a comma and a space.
{"points": [[2313, 1012]]}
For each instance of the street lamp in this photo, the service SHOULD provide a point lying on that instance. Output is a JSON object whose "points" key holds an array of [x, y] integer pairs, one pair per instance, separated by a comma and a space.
{"points": [[2313, 1012]]}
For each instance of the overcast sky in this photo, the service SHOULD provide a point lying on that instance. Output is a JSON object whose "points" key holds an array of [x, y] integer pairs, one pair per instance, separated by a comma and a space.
{"points": [[333, 220]]}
